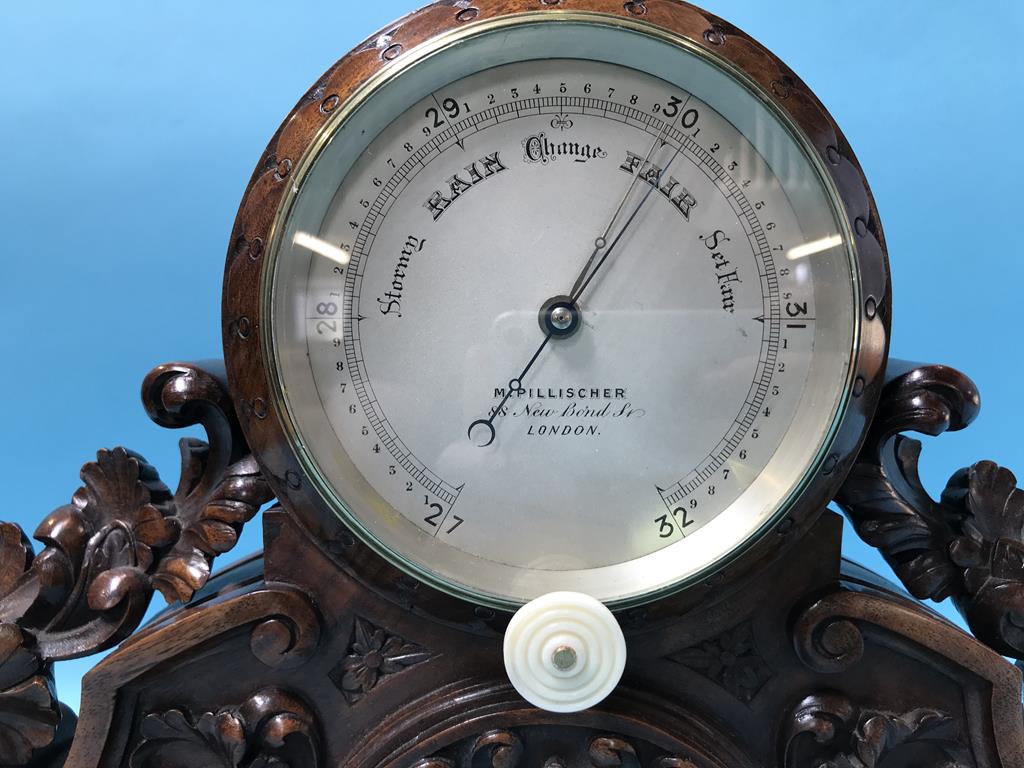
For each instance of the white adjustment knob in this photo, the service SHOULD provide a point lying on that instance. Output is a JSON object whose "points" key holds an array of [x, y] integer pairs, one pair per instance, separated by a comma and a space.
{"points": [[564, 652]]}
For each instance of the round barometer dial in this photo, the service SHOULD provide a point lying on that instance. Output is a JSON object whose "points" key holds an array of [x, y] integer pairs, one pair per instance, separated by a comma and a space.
{"points": [[560, 304]]}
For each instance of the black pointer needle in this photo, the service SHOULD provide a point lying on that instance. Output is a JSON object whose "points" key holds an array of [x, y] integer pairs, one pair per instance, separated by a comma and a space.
{"points": [[515, 385]]}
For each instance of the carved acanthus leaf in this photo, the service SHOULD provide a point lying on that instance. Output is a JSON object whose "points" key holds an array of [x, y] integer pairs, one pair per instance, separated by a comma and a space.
{"points": [[827, 730], [221, 487], [15, 559], [91, 576], [124, 532], [29, 711], [122, 535], [214, 740], [989, 550], [29, 715], [210, 519], [271, 728], [968, 546]]}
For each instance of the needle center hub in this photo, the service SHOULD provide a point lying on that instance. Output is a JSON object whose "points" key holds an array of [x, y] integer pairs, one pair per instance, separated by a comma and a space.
{"points": [[560, 316]]}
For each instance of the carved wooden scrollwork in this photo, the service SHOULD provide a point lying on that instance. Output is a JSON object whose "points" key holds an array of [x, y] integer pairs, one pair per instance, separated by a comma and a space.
{"points": [[521, 747], [496, 749], [221, 487], [123, 535], [271, 728], [969, 545], [828, 730], [612, 752], [827, 642]]}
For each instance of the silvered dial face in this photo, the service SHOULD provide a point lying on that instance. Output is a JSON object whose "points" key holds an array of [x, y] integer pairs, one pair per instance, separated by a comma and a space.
{"points": [[548, 322]]}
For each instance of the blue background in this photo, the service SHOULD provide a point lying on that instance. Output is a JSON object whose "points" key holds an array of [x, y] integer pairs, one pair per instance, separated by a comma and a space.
{"points": [[129, 131]]}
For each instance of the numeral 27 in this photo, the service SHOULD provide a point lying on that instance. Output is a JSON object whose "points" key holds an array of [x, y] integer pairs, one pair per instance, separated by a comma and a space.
{"points": [[438, 511]]}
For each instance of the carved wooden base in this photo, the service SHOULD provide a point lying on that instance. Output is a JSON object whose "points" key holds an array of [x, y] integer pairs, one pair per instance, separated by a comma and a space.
{"points": [[816, 666], [295, 658]]}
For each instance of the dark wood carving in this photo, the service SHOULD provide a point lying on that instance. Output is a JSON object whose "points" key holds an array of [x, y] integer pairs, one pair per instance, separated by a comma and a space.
{"points": [[221, 487], [535, 746], [271, 728], [969, 545], [373, 655], [171, 691], [828, 730], [122, 536], [29, 718], [29, 713], [731, 660]]}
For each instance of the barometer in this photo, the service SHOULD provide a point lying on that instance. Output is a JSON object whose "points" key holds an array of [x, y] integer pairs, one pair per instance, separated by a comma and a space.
{"points": [[564, 306], [563, 300], [551, 330]]}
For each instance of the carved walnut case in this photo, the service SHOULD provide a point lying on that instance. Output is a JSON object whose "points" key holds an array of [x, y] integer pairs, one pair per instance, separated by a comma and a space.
{"points": [[318, 653]]}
